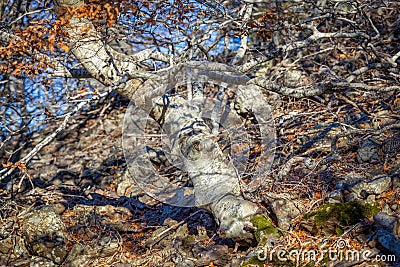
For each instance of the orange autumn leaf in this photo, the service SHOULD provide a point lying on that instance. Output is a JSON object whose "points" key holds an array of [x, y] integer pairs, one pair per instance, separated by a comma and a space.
{"points": [[8, 165], [64, 47], [318, 195], [21, 166], [290, 137], [387, 194], [83, 90], [386, 168]]}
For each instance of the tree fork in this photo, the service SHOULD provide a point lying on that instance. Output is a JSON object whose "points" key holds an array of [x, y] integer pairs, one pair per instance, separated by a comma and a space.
{"points": [[207, 167]]}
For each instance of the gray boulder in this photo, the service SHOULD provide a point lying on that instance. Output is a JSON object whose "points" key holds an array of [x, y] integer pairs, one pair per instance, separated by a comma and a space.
{"points": [[388, 222], [44, 233], [389, 241], [369, 152], [374, 187]]}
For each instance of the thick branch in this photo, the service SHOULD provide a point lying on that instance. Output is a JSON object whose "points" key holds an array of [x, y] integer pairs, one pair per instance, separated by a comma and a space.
{"points": [[243, 42], [321, 35], [317, 35], [100, 60], [318, 89]]}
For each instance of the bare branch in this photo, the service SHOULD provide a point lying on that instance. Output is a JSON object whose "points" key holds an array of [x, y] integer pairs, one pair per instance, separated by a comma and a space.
{"points": [[243, 42], [318, 89], [25, 160]]}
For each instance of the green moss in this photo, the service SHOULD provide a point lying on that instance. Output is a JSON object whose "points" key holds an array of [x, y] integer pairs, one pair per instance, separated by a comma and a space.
{"points": [[253, 262], [261, 222], [346, 214], [370, 210], [264, 227], [189, 240], [339, 231]]}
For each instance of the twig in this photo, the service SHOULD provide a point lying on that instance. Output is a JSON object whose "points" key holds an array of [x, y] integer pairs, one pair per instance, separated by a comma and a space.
{"points": [[54, 134], [162, 235], [360, 131], [29, 13]]}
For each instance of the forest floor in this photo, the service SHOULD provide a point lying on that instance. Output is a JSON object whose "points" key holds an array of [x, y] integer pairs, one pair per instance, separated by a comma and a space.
{"points": [[316, 198]]}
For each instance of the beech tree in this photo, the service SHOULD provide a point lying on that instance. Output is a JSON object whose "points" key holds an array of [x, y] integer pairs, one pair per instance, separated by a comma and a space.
{"points": [[254, 50]]}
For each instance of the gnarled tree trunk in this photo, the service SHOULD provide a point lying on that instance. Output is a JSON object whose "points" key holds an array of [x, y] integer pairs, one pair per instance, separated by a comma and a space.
{"points": [[204, 161]]}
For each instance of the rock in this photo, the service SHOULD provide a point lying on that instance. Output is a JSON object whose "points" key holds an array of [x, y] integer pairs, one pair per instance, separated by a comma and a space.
{"points": [[385, 221], [217, 254], [396, 228], [370, 199], [379, 185], [396, 181], [376, 186], [13, 247], [348, 180], [77, 257], [40, 262], [198, 250], [372, 243], [59, 208], [362, 238], [104, 247], [352, 197], [295, 78], [182, 231], [169, 234], [81, 255], [368, 152], [388, 222], [386, 208], [186, 263], [44, 233], [117, 213], [159, 235], [358, 188], [361, 262], [335, 196], [285, 211], [266, 234], [331, 218], [389, 241]]}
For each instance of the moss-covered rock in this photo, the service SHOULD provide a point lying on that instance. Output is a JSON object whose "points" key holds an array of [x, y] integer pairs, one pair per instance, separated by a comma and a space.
{"points": [[265, 229], [252, 262], [331, 218]]}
